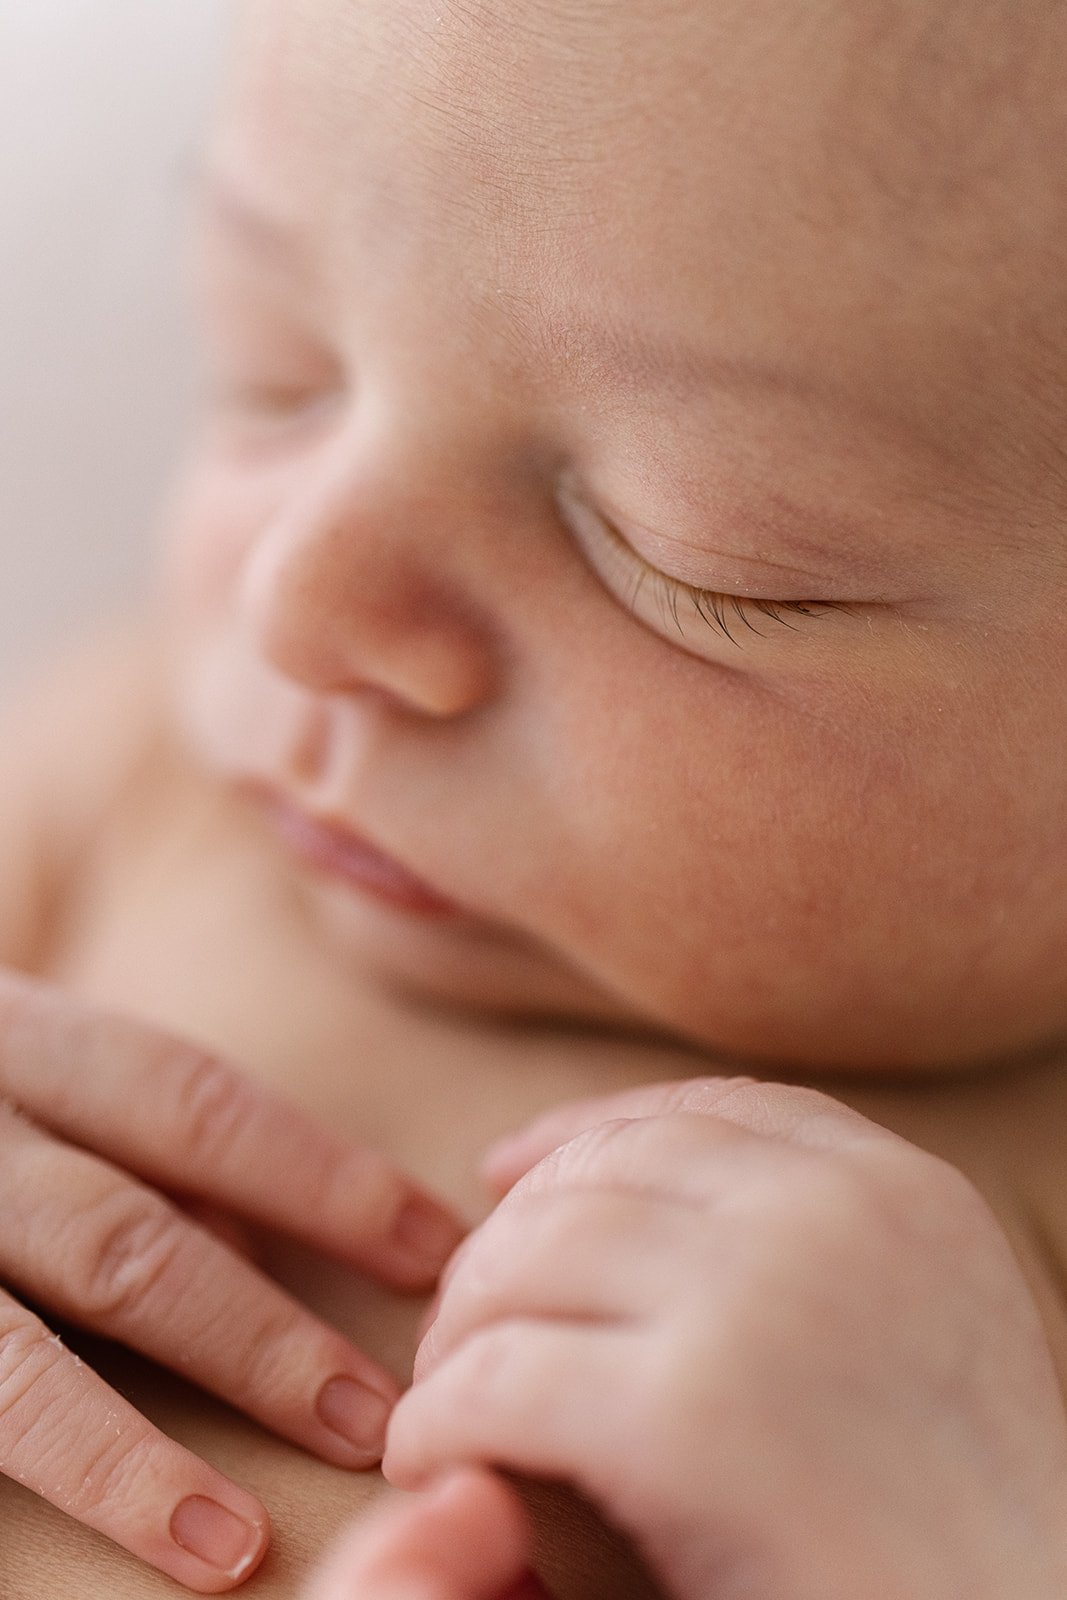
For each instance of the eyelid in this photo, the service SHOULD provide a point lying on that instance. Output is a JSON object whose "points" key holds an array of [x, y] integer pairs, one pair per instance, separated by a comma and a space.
{"points": [[717, 610], [687, 560], [268, 369]]}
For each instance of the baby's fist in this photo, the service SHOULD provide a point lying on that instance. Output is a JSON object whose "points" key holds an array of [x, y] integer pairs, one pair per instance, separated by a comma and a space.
{"points": [[792, 1355]]}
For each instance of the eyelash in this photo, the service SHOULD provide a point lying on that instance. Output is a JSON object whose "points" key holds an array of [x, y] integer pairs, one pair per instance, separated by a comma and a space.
{"points": [[712, 605]]}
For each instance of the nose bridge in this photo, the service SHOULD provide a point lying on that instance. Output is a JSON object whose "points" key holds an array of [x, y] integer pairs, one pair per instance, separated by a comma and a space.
{"points": [[360, 580]]}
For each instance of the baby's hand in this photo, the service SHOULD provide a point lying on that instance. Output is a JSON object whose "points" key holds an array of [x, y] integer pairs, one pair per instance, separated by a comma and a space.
{"points": [[791, 1355], [95, 1111], [467, 1539]]}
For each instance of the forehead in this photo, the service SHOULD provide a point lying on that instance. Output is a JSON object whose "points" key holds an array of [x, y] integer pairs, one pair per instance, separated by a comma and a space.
{"points": [[851, 184], [902, 102]]}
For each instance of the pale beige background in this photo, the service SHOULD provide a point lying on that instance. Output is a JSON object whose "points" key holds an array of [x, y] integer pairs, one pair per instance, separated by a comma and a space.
{"points": [[101, 107]]}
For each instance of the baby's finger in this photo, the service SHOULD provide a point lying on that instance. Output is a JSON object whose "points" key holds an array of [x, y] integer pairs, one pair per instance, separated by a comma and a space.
{"points": [[773, 1110], [574, 1255], [509, 1158], [465, 1539], [102, 1251], [75, 1442], [179, 1117], [526, 1395]]}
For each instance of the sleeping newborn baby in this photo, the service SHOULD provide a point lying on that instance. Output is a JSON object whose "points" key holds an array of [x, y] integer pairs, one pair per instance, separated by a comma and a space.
{"points": [[610, 632]]}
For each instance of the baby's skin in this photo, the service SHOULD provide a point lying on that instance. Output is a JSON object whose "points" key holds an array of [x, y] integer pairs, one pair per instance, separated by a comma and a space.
{"points": [[185, 914], [630, 497]]}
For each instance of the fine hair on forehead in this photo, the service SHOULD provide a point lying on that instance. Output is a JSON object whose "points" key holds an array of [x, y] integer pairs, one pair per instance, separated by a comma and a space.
{"points": [[931, 93], [938, 105]]}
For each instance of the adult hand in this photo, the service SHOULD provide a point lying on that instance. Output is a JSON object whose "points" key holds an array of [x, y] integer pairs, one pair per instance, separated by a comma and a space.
{"points": [[97, 1114]]}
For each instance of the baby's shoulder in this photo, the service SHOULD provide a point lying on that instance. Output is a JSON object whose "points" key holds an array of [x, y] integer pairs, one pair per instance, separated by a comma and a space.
{"points": [[70, 740]]}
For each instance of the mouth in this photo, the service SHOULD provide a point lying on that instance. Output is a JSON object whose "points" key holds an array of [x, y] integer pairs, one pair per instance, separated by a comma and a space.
{"points": [[333, 849]]}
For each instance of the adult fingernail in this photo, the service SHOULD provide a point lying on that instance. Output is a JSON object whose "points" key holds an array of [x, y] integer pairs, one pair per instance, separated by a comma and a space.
{"points": [[216, 1536], [357, 1414], [427, 1232]]}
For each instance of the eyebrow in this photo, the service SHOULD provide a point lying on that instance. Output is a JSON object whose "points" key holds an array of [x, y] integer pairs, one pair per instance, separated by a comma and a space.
{"points": [[221, 201], [629, 356], [636, 362], [684, 371]]}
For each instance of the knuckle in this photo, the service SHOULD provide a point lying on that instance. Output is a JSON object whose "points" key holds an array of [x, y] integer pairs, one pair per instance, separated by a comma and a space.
{"points": [[89, 1472], [28, 1350], [111, 1469], [836, 1187], [276, 1351], [126, 1253], [554, 1232], [487, 1373], [705, 1096], [584, 1155], [211, 1102], [925, 1198], [813, 1207], [357, 1184]]}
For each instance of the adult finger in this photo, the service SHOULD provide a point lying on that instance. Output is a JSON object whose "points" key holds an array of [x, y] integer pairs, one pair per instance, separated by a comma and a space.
{"points": [[180, 1117], [101, 1250], [773, 1110], [72, 1440], [466, 1538]]}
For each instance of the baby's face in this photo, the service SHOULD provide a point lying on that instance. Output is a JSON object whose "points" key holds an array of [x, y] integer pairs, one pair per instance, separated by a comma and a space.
{"points": [[634, 498]]}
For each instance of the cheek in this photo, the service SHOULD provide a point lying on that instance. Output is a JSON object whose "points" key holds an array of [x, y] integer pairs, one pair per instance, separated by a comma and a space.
{"points": [[786, 882], [729, 802]]}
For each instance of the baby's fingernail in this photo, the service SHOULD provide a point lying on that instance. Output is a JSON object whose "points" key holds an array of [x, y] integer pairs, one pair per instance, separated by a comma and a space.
{"points": [[427, 1233], [216, 1536], [357, 1414]]}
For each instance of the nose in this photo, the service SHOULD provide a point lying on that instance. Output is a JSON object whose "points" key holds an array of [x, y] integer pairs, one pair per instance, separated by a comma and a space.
{"points": [[346, 590]]}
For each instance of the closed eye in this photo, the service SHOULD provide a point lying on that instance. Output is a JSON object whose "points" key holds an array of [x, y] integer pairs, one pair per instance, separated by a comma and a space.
{"points": [[718, 610], [673, 606]]}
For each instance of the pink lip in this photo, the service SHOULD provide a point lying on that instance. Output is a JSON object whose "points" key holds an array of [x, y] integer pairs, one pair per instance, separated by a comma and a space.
{"points": [[334, 849]]}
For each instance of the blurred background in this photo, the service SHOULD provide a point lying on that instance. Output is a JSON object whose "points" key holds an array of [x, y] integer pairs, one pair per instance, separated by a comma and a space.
{"points": [[102, 106]]}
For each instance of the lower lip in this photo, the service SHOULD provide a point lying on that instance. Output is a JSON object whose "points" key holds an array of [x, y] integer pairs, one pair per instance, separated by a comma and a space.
{"points": [[342, 855]]}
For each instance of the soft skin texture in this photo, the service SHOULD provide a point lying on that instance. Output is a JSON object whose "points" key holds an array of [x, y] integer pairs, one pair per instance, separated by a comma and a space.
{"points": [[467, 1540], [183, 912], [409, 543], [792, 1356], [813, 822]]}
